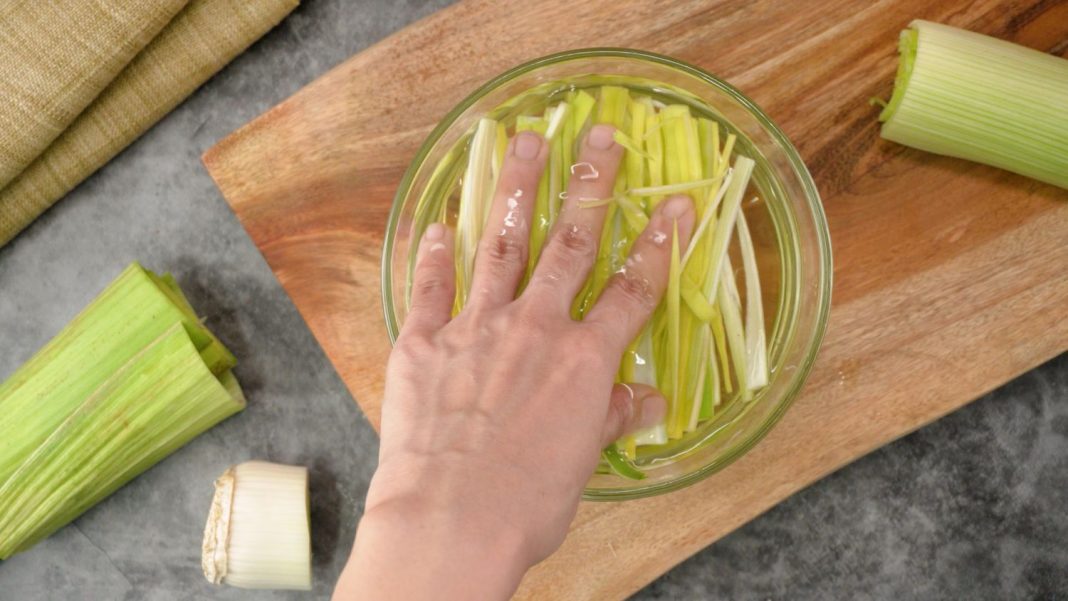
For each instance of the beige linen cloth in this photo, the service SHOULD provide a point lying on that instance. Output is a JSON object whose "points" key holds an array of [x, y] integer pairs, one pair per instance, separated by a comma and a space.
{"points": [[55, 58], [200, 39]]}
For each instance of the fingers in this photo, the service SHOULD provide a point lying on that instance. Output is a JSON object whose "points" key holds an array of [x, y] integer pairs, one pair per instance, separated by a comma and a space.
{"points": [[631, 295], [571, 251], [502, 253], [434, 283], [631, 407]]}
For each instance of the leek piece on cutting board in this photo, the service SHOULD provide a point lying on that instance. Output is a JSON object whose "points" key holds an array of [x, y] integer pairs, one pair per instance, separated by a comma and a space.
{"points": [[971, 96], [130, 380]]}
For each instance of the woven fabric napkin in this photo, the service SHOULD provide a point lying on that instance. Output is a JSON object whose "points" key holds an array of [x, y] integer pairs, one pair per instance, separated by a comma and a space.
{"points": [[55, 58], [200, 40]]}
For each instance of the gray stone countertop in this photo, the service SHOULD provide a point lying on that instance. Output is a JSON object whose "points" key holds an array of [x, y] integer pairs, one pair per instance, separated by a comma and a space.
{"points": [[974, 506]]}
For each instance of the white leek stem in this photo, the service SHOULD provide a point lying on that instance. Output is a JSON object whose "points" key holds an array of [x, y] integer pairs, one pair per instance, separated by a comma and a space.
{"points": [[756, 345], [257, 535], [975, 97]]}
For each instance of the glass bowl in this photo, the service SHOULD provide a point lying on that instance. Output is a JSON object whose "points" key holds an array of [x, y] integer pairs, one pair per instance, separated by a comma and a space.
{"points": [[792, 219]]}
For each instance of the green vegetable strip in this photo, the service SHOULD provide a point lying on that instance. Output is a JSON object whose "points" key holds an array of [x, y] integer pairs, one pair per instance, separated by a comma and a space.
{"points": [[697, 390], [620, 465], [555, 169], [711, 398], [729, 302], [613, 106], [541, 218], [654, 147], [732, 202], [476, 192], [127, 382], [756, 353], [670, 384], [970, 96]]}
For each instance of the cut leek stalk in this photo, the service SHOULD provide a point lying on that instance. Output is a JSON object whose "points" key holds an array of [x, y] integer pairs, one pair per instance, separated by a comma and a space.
{"points": [[702, 349], [258, 534], [476, 195], [131, 379], [967, 95]]}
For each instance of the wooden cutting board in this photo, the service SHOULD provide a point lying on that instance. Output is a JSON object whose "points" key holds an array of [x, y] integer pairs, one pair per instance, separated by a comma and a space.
{"points": [[950, 278]]}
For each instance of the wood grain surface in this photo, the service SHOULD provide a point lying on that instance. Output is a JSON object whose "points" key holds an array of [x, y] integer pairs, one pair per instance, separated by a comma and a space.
{"points": [[950, 278]]}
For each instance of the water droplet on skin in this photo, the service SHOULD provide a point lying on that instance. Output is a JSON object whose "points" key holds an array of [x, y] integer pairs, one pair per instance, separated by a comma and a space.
{"points": [[585, 171], [512, 203], [659, 238], [518, 193], [511, 219], [563, 195]]}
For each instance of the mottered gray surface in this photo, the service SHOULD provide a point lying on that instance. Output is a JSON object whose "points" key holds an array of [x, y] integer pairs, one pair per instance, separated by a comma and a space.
{"points": [[974, 506]]}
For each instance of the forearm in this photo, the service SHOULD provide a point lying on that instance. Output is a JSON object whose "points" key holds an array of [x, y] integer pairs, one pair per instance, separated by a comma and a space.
{"points": [[420, 553]]}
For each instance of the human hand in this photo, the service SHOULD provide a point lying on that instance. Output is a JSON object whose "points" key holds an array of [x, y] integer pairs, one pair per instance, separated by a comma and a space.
{"points": [[493, 420]]}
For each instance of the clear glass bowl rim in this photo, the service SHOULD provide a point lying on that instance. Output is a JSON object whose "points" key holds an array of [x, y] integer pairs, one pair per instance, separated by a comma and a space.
{"points": [[812, 201]]}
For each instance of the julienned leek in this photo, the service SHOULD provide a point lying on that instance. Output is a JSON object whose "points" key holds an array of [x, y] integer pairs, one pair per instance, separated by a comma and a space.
{"points": [[975, 97], [257, 535]]}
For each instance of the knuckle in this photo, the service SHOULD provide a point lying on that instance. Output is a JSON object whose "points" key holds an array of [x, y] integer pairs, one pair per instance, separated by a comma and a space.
{"points": [[412, 347], [528, 312], [577, 240], [635, 291], [505, 253], [430, 285], [621, 408]]}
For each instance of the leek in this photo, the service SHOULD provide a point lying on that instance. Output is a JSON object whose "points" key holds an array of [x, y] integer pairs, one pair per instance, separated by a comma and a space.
{"points": [[475, 197], [258, 534], [970, 96], [755, 337], [131, 379]]}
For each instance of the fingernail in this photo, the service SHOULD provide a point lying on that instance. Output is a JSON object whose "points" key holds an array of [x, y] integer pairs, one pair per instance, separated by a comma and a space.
{"points": [[601, 137], [653, 409], [436, 231], [527, 145], [676, 206]]}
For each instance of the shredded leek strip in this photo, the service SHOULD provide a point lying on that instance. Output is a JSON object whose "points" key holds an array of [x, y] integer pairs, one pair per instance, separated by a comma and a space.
{"points": [[728, 301], [670, 387], [732, 202], [475, 194], [711, 399], [620, 464], [555, 118], [540, 218], [707, 218], [719, 333], [756, 353], [654, 147], [630, 145], [698, 389]]}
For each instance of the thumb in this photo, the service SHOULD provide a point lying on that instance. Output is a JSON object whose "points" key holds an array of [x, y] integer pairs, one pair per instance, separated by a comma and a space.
{"points": [[631, 407]]}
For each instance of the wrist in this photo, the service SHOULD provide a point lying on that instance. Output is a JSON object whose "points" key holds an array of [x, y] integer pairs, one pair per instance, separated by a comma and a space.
{"points": [[414, 547]]}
